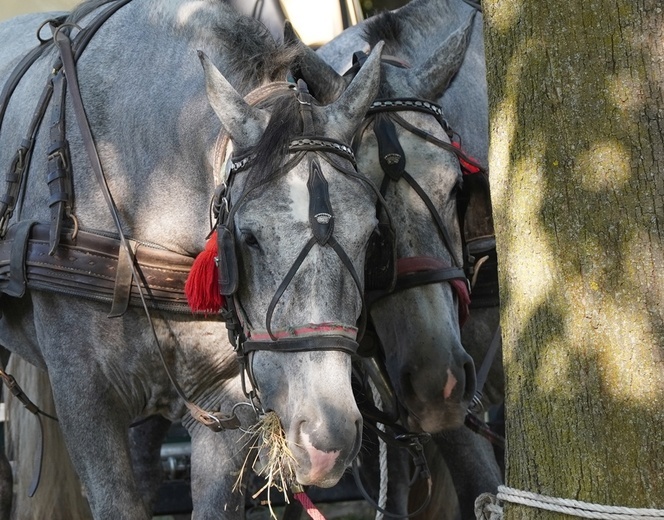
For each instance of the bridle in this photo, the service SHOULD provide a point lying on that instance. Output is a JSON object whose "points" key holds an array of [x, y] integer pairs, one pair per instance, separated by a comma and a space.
{"points": [[414, 271], [311, 147]]}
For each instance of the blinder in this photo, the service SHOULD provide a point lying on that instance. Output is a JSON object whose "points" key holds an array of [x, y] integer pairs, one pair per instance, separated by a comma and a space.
{"points": [[227, 261], [380, 265]]}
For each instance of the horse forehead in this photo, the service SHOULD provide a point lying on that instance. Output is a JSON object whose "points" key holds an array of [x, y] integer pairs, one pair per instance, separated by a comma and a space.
{"points": [[287, 200], [424, 160], [346, 196]]}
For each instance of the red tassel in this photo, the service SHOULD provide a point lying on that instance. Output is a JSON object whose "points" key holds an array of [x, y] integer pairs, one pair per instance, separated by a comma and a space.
{"points": [[202, 286]]}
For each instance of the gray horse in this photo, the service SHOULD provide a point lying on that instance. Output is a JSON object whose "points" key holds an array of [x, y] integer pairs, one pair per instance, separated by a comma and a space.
{"points": [[294, 220], [413, 35]]}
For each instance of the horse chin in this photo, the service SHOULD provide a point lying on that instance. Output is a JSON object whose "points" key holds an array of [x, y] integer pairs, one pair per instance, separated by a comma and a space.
{"points": [[311, 479], [321, 468]]}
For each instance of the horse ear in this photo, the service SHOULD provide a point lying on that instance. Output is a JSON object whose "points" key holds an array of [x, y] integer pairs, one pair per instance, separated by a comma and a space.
{"points": [[349, 110], [245, 124], [322, 80], [431, 78]]}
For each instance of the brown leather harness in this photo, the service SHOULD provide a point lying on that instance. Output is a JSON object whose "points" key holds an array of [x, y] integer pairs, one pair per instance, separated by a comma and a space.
{"points": [[87, 263], [58, 256]]}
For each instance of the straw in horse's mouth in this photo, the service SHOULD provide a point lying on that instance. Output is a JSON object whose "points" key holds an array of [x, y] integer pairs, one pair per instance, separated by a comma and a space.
{"points": [[277, 463]]}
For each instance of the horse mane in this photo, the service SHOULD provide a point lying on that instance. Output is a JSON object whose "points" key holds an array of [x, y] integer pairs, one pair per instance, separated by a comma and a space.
{"points": [[273, 145], [415, 17], [252, 57], [385, 26], [255, 53]]}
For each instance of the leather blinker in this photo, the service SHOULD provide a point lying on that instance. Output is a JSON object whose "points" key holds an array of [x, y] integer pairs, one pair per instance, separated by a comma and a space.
{"points": [[227, 261], [380, 265]]}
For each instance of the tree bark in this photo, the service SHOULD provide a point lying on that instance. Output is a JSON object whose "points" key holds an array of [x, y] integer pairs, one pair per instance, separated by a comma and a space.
{"points": [[576, 158]]}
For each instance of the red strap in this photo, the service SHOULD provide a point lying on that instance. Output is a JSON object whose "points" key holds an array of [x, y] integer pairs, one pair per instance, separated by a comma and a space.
{"points": [[309, 506], [469, 165]]}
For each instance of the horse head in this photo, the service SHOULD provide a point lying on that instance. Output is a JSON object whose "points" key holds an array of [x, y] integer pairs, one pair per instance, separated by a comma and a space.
{"points": [[294, 224], [405, 146]]}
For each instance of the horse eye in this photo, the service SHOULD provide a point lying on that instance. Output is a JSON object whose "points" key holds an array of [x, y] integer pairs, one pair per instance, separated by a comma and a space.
{"points": [[249, 239]]}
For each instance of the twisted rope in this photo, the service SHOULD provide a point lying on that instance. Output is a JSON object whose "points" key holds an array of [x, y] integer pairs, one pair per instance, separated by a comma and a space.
{"points": [[487, 506], [382, 453]]}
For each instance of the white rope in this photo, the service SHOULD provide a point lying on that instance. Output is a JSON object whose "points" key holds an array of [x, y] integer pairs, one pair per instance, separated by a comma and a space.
{"points": [[382, 453], [487, 508]]}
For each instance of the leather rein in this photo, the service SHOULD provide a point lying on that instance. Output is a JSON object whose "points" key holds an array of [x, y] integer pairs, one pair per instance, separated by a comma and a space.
{"points": [[37, 250]]}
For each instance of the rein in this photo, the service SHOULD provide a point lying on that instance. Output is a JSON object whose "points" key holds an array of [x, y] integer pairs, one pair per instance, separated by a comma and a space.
{"points": [[216, 421], [63, 76]]}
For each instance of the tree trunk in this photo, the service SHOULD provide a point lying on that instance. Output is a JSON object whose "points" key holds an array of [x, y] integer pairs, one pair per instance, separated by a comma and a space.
{"points": [[577, 153]]}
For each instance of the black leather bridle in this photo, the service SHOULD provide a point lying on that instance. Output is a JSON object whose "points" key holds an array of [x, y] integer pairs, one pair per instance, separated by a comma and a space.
{"points": [[321, 219], [393, 161]]}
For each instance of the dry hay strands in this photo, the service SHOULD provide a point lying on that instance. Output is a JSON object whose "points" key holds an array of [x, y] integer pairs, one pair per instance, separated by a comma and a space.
{"points": [[271, 457]]}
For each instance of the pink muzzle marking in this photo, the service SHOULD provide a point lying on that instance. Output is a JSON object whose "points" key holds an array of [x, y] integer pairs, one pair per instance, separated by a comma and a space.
{"points": [[321, 462], [449, 386]]}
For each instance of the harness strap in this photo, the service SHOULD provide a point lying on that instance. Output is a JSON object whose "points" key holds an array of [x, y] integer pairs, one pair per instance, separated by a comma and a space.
{"points": [[59, 164], [86, 267], [17, 260], [304, 344], [286, 282], [18, 393], [306, 110], [20, 70], [21, 162], [63, 42], [436, 216], [123, 281], [483, 372], [413, 444]]}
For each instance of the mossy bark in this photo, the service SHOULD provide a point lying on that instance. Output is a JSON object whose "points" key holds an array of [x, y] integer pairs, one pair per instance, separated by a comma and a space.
{"points": [[577, 180]]}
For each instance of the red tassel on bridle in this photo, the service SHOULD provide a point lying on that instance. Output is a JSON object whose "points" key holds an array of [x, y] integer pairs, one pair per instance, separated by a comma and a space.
{"points": [[202, 286]]}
